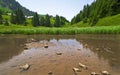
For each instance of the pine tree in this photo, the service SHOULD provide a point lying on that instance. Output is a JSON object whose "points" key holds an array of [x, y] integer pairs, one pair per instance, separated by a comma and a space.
{"points": [[73, 20], [35, 20], [63, 20], [57, 21], [13, 18], [1, 17], [42, 21], [20, 18], [17, 17], [116, 7], [47, 21]]}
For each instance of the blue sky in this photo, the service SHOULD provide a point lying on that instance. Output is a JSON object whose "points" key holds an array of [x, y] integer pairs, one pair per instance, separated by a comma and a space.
{"points": [[66, 8]]}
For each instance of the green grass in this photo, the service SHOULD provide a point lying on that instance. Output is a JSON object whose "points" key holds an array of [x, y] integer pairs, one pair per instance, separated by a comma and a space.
{"points": [[68, 30], [108, 25], [4, 10], [109, 21]]}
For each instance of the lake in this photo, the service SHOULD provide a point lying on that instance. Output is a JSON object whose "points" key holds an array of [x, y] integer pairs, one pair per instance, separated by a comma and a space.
{"points": [[97, 52]]}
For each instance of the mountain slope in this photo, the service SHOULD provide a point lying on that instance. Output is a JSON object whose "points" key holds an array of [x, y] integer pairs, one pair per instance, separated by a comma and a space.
{"points": [[97, 10], [13, 5], [107, 21]]}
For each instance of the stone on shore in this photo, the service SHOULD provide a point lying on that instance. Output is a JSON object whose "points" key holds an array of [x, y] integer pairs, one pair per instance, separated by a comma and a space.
{"points": [[76, 69], [94, 73], [83, 66], [25, 67], [105, 73]]}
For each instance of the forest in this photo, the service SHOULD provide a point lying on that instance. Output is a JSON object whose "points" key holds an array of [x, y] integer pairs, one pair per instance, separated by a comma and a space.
{"points": [[97, 10]]}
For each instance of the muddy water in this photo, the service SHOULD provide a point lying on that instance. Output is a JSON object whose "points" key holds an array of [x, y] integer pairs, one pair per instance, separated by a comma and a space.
{"points": [[97, 52]]}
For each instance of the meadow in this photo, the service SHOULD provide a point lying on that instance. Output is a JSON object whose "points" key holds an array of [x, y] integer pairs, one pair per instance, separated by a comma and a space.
{"points": [[13, 29]]}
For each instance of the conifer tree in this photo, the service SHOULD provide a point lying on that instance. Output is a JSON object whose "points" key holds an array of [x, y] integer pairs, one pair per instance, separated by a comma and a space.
{"points": [[42, 21], [47, 21], [17, 17], [20, 18], [57, 21], [35, 20], [13, 18], [1, 17]]}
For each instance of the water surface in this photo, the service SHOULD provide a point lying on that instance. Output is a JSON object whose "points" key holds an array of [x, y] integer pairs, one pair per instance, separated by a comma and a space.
{"points": [[98, 52]]}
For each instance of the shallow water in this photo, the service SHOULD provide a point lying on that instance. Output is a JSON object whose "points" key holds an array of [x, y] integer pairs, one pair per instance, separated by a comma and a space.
{"points": [[97, 52]]}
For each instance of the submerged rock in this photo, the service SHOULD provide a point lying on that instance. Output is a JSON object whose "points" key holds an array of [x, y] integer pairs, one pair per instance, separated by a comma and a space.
{"points": [[25, 47], [83, 66], [45, 46], [76, 69], [50, 73], [25, 67], [105, 73], [79, 49], [97, 49], [86, 45], [58, 53], [94, 73]]}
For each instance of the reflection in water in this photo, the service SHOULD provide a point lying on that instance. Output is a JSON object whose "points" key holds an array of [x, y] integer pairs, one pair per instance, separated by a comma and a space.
{"points": [[109, 49], [101, 50], [10, 47]]}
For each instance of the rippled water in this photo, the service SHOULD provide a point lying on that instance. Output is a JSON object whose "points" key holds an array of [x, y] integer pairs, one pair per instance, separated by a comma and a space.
{"points": [[98, 52]]}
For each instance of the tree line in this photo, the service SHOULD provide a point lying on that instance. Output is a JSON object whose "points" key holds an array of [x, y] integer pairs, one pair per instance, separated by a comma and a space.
{"points": [[98, 9], [18, 17], [46, 21], [3, 21]]}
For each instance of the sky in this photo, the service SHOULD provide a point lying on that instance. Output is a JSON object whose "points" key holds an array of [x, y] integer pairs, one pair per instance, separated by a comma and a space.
{"points": [[66, 8]]}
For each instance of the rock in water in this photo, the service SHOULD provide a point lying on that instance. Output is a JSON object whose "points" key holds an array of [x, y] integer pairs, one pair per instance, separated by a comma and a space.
{"points": [[83, 66], [94, 73], [79, 49], [76, 69], [50, 73], [59, 53], [105, 73], [26, 48], [45, 46], [25, 67]]}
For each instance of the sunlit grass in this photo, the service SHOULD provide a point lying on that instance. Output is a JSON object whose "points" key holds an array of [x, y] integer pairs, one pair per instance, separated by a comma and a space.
{"points": [[66, 30]]}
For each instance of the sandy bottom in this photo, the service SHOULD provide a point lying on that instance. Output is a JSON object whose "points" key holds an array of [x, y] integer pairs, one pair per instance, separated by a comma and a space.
{"points": [[43, 60]]}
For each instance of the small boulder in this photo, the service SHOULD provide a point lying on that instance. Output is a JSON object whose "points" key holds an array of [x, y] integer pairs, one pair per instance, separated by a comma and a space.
{"points": [[58, 53], [50, 73], [45, 46], [79, 49], [25, 47], [76, 69], [94, 73], [83, 66], [86, 45], [33, 40], [105, 73], [97, 49], [25, 67]]}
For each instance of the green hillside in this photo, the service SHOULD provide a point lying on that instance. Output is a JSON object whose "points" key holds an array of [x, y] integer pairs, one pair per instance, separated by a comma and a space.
{"points": [[4, 10], [107, 21], [99, 9], [11, 5]]}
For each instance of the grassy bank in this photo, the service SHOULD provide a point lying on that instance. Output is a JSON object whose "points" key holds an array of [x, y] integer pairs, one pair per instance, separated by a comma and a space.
{"points": [[107, 21], [67, 30]]}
